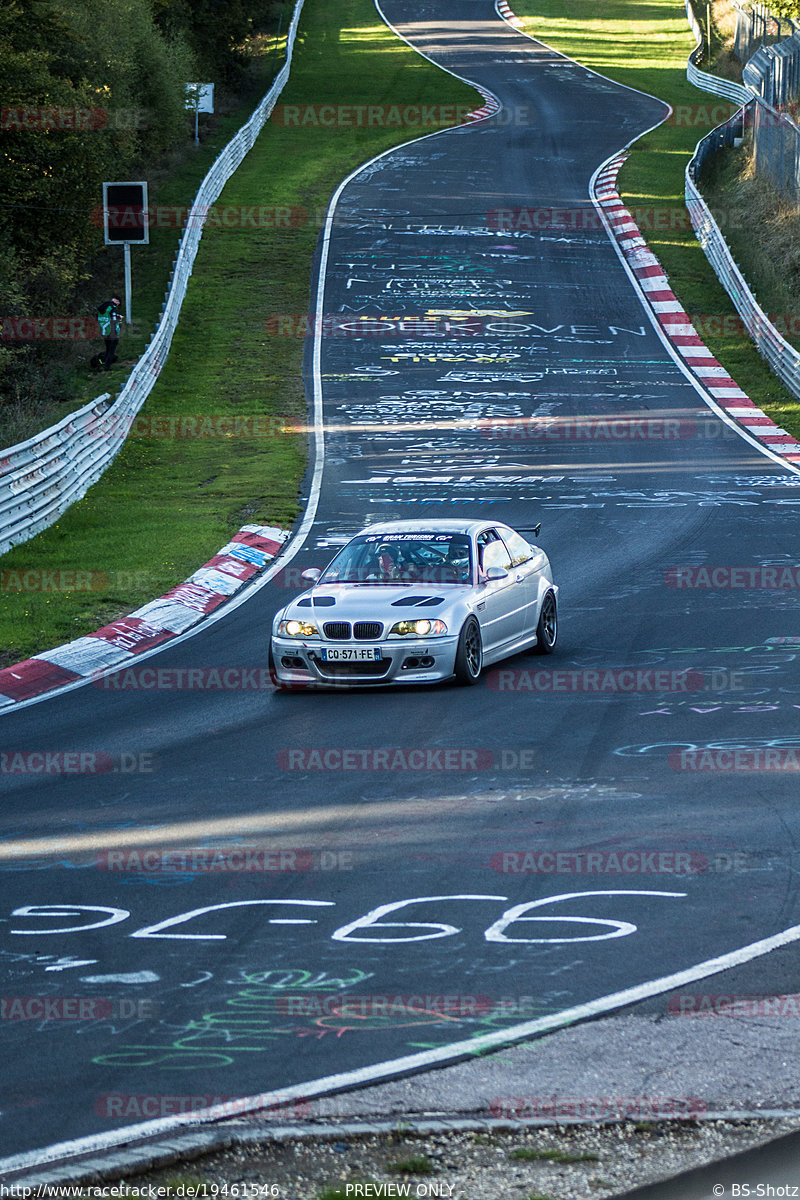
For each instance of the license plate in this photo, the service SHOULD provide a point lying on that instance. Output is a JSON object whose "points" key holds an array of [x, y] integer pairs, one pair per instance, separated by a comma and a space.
{"points": [[349, 653]]}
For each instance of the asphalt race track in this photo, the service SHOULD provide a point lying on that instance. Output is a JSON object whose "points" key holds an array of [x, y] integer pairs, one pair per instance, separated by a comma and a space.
{"points": [[253, 898]]}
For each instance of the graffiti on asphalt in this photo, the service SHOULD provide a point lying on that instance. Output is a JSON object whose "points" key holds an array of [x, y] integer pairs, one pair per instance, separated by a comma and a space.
{"points": [[371, 928], [788, 742]]}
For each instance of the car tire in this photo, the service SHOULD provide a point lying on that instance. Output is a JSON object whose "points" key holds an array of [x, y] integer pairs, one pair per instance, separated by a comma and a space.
{"points": [[547, 627], [469, 655]]}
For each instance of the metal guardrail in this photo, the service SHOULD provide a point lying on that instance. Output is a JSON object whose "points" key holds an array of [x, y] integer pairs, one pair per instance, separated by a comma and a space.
{"points": [[781, 357], [727, 88], [729, 133], [41, 477], [773, 74]]}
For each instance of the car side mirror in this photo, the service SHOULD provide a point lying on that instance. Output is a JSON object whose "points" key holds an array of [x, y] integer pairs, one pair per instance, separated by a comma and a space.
{"points": [[312, 574], [496, 573]]}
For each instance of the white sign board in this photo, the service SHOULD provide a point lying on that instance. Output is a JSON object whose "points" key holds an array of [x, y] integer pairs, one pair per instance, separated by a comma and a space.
{"points": [[200, 97]]}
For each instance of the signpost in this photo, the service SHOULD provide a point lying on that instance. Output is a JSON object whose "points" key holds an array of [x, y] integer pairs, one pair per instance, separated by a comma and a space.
{"points": [[125, 223], [708, 28]]}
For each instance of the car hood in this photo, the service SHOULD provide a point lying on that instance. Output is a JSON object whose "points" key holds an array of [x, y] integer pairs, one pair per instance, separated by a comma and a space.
{"points": [[383, 602]]}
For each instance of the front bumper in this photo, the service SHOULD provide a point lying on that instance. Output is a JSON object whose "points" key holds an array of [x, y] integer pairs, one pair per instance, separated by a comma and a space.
{"points": [[414, 660]]}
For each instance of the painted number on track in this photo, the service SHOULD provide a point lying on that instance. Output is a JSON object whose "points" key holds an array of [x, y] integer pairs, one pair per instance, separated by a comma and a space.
{"points": [[514, 925]]}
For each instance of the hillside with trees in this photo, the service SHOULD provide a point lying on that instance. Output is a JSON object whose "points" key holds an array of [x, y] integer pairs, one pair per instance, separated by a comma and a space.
{"points": [[91, 91]]}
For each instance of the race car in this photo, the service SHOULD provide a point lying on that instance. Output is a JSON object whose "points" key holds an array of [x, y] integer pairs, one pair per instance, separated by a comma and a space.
{"points": [[417, 602]]}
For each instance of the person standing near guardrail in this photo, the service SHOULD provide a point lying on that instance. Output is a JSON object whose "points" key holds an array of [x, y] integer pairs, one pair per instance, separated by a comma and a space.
{"points": [[109, 318]]}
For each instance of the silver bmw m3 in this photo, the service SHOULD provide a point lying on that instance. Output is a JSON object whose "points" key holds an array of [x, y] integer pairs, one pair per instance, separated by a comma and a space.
{"points": [[417, 602]]}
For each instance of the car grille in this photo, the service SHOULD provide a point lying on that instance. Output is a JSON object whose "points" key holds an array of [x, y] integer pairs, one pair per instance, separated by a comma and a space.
{"points": [[337, 631], [365, 631], [362, 631], [338, 670]]}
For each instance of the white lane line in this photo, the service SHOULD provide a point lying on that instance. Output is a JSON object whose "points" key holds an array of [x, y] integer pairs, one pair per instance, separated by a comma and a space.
{"points": [[409, 1064], [589, 70], [652, 308]]}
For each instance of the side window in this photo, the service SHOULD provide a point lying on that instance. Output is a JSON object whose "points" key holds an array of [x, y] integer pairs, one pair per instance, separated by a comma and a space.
{"points": [[492, 551], [518, 548]]}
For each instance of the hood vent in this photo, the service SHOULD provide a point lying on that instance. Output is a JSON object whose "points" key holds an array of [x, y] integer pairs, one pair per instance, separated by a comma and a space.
{"points": [[417, 601]]}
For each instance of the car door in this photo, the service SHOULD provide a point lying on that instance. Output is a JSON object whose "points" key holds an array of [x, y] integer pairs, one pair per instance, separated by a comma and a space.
{"points": [[501, 604], [527, 563]]}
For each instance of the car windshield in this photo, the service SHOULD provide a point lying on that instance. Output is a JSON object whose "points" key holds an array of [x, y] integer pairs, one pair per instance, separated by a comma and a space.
{"points": [[404, 558]]}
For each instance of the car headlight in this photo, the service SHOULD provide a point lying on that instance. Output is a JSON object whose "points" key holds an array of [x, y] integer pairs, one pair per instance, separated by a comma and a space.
{"points": [[298, 629], [421, 628]]}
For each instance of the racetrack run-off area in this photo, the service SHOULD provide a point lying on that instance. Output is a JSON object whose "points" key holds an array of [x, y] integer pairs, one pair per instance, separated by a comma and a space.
{"points": [[266, 890]]}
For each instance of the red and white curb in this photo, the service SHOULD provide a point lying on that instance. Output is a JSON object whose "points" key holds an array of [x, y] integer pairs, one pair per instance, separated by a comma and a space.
{"points": [[677, 324], [488, 109], [187, 604], [505, 12]]}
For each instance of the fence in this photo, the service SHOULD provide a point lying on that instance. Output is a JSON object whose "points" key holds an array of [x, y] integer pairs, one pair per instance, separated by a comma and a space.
{"points": [[773, 73], [781, 357], [751, 30], [776, 146], [42, 477], [754, 27]]}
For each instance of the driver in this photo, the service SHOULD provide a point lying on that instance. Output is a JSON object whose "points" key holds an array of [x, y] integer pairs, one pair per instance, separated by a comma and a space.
{"points": [[388, 564], [456, 563]]}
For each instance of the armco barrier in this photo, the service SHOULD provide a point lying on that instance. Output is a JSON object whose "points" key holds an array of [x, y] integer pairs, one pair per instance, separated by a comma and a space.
{"points": [[781, 357], [753, 23], [733, 404], [773, 74], [701, 79], [41, 477]]}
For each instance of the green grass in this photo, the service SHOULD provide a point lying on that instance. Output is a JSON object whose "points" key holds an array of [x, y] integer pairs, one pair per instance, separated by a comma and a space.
{"points": [[419, 1165], [167, 504], [744, 202], [645, 45], [527, 1154]]}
